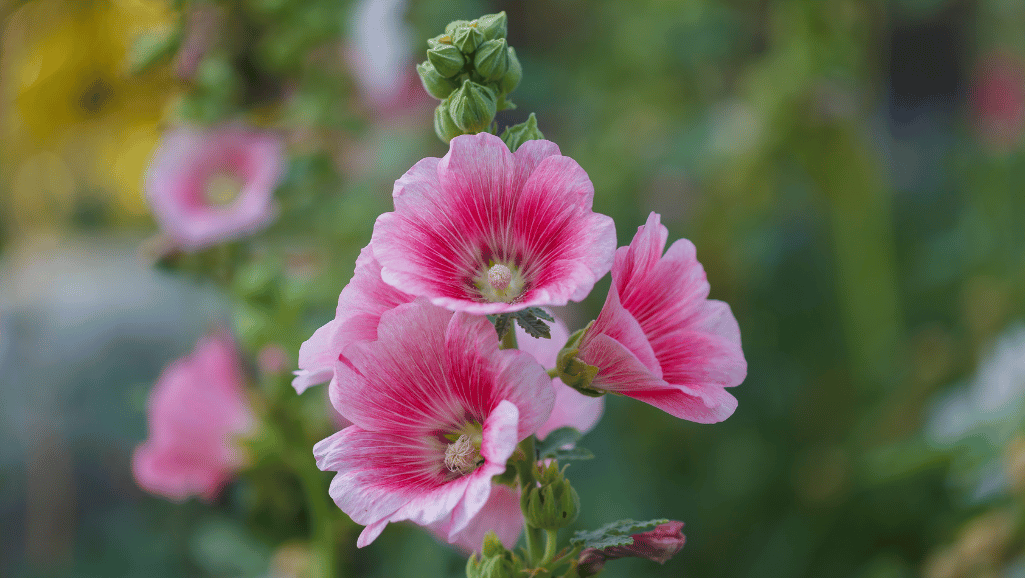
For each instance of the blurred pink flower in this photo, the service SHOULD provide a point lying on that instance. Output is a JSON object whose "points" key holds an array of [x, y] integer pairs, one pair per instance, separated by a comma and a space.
{"points": [[657, 545], [659, 339], [209, 185], [197, 411], [484, 230], [437, 410], [360, 306], [572, 409], [998, 99]]}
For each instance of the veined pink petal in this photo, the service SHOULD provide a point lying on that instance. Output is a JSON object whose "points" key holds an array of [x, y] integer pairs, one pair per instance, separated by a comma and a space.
{"points": [[500, 514], [430, 377], [189, 160], [659, 338], [482, 205], [359, 310], [197, 410]]}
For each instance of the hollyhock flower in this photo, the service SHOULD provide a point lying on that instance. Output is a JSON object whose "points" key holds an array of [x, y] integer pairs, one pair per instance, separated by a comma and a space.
{"points": [[207, 186], [657, 545], [500, 514], [437, 410], [485, 230], [998, 99], [658, 338], [197, 412], [360, 306], [572, 408]]}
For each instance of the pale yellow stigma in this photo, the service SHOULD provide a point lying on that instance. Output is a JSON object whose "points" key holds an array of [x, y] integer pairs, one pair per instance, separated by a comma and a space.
{"points": [[462, 455], [499, 277], [500, 283]]}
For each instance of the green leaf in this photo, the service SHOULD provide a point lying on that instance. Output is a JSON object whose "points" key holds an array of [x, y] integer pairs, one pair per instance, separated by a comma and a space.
{"points": [[556, 439], [539, 313], [532, 325], [613, 534], [572, 454]]}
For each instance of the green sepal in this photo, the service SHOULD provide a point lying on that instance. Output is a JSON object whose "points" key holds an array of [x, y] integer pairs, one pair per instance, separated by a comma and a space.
{"points": [[491, 60], [472, 107], [434, 83], [451, 27], [513, 74], [574, 372], [514, 136], [447, 59]]}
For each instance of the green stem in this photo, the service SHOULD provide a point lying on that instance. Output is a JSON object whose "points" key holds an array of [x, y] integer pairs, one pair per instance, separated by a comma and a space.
{"points": [[551, 543], [534, 552], [553, 373]]}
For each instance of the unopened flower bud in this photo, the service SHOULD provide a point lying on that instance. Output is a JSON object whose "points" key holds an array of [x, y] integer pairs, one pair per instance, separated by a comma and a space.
{"points": [[472, 107], [658, 545], [515, 136], [492, 59], [513, 74], [439, 40], [447, 59], [553, 504], [435, 84], [493, 26], [467, 38], [495, 561], [443, 125]]}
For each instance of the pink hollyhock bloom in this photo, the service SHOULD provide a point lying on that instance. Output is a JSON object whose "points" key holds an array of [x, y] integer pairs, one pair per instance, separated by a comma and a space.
{"points": [[998, 99], [360, 306], [501, 514], [484, 230], [197, 411], [207, 186], [437, 410], [572, 408], [657, 545], [658, 338]]}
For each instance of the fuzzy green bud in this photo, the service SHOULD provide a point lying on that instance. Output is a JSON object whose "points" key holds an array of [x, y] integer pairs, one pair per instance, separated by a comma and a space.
{"points": [[472, 107], [447, 59], [495, 561], [515, 136], [467, 38], [553, 504], [435, 84], [513, 74], [576, 373], [444, 127], [492, 59], [493, 26]]}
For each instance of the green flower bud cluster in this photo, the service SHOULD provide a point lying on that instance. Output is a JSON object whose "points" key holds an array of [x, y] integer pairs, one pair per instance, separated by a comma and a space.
{"points": [[553, 503], [495, 561], [471, 69]]}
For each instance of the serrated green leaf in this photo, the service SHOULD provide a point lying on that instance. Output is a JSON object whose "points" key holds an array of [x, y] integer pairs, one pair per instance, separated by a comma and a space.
{"points": [[532, 325], [556, 439], [540, 313], [502, 324], [618, 533]]}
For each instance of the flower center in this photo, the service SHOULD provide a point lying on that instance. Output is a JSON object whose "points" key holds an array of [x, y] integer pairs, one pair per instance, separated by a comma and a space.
{"points": [[222, 189], [500, 282], [463, 455]]}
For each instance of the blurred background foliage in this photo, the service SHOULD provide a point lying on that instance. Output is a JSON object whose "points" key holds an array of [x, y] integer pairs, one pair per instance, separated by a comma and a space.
{"points": [[847, 170]]}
